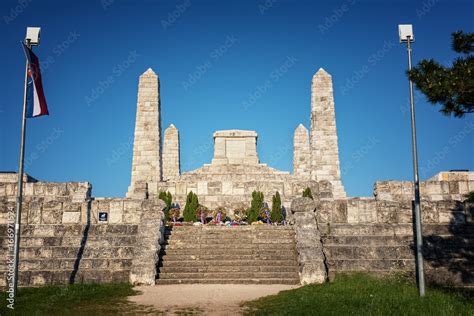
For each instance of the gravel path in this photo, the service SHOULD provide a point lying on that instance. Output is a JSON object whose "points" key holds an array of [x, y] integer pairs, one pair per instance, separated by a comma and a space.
{"points": [[207, 299]]}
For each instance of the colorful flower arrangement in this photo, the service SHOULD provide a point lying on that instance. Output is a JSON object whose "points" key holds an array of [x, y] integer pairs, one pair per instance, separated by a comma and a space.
{"points": [[201, 213], [219, 215], [240, 214], [175, 212], [265, 215]]}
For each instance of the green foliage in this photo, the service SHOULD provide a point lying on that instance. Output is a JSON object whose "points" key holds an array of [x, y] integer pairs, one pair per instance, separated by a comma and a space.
{"points": [[469, 197], [168, 199], [361, 294], [307, 193], [255, 207], [453, 86], [192, 204], [276, 209]]}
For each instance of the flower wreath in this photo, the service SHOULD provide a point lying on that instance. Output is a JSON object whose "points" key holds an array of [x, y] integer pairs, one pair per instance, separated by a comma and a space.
{"points": [[218, 210], [175, 213], [240, 214]]}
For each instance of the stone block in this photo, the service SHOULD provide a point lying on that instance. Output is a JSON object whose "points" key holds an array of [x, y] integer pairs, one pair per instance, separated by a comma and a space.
{"points": [[339, 212], [429, 213], [71, 218], [227, 188], [34, 212], [131, 216], [303, 204], [202, 188]]}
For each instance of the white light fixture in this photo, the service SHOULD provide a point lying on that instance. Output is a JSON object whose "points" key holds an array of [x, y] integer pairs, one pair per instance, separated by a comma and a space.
{"points": [[33, 35], [405, 32]]}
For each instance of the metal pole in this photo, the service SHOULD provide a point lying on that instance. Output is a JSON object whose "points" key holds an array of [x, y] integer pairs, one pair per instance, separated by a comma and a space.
{"points": [[417, 210], [19, 191]]}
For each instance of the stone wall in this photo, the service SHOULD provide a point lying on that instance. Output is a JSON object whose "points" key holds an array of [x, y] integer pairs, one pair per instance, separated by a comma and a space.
{"points": [[231, 186], [376, 235], [444, 186], [383, 242], [63, 241]]}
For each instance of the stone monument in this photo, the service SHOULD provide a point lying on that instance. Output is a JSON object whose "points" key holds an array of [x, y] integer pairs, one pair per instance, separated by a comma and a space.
{"points": [[235, 170]]}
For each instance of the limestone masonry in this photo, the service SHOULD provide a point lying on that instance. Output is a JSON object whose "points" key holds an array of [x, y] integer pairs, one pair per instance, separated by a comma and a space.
{"points": [[235, 171]]}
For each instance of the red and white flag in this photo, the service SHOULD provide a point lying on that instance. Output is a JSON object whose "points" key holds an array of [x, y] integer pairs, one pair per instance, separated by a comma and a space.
{"points": [[35, 100]]}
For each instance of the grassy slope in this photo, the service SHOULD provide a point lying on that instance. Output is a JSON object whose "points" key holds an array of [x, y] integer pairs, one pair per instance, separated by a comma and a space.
{"points": [[360, 294], [105, 299]]}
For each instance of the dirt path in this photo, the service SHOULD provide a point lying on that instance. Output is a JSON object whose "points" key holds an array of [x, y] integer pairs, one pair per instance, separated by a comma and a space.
{"points": [[207, 299]]}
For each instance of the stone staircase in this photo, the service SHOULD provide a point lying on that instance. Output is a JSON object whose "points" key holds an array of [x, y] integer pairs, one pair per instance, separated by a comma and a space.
{"points": [[229, 255]]}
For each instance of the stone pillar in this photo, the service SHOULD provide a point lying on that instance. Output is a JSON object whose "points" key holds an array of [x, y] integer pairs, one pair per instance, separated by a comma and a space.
{"points": [[171, 165], [146, 165], [311, 257], [323, 136], [301, 153]]}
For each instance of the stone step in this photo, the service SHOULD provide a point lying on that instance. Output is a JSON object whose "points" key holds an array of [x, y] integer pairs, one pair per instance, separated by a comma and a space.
{"points": [[227, 275], [230, 246], [395, 240], [224, 227], [226, 257], [393, 252], [396, 230], [229, 262], [232, 268], [231, 236], [229, 281], [236, 231], [217, 251]]}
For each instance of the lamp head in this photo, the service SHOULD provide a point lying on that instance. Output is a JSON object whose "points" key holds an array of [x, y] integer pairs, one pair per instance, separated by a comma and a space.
{"points": [[33, 35], [405, 32]]}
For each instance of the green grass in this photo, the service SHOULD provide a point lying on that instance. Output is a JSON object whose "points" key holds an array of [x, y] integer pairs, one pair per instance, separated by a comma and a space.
{"points": [[360, 294], [79, 299]]}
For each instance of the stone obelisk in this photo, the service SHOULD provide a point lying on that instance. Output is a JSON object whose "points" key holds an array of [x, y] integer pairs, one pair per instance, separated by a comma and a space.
{"points": [[171, 157], [301, 153], [323, 134], [146, 165]]}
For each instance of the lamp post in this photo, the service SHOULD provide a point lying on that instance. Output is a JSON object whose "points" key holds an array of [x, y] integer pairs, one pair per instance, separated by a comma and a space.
{"points": [[32, 39], [406, 36]]}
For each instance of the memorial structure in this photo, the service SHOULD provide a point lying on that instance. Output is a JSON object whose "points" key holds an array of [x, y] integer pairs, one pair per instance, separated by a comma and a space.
{"points": [[235, 171]]}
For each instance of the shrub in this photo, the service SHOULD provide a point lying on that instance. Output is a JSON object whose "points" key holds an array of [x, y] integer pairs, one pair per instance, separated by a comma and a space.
{"points": [[469, 197], [307, 193], [276, 214], [255, 207], [192, 204], [168, 199]]}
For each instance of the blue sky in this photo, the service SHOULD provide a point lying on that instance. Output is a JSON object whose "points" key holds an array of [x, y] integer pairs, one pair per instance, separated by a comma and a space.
{"points": [[224, 65]]}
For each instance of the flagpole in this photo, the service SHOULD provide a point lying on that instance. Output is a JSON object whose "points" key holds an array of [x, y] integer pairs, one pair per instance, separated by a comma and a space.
{"points": [[19, 191]]}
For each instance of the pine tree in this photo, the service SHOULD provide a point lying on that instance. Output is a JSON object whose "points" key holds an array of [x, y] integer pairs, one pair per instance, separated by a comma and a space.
{"points": [[307, 193], [276, 209], [255, 207], [168, 199], [453, 86], [192, 204]]}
